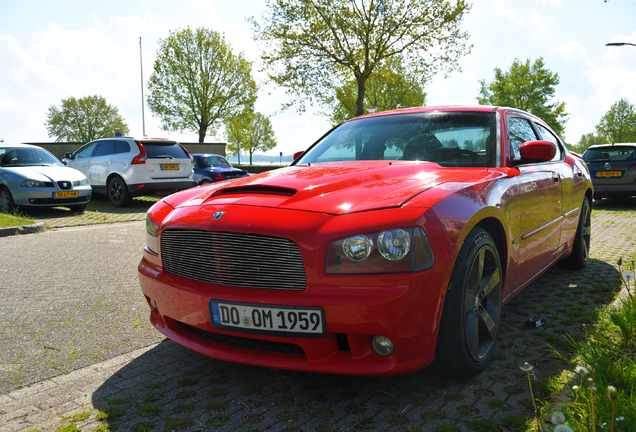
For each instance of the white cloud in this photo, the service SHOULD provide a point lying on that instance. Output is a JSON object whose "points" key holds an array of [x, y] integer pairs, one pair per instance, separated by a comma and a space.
{"points": [[500, 7]]}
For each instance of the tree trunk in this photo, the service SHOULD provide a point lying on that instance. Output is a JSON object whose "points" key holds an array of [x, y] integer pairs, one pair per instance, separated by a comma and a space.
{"points": [[202, 130], [361, 89]]}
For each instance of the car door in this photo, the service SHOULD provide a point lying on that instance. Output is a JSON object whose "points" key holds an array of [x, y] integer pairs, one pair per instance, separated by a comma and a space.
{"points": [[80, 158], [99, 163], [540, 202]]}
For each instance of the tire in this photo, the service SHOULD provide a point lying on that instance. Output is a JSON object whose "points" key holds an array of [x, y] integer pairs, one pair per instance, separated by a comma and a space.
{"points": [[581, 248], [472, 309], [204, 182], [6, 200], [77, 208], [118, 192]]}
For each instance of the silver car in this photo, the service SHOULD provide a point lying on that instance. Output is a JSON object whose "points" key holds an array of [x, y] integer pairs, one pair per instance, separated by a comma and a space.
{"points": [[32, 177], [123, 167]]}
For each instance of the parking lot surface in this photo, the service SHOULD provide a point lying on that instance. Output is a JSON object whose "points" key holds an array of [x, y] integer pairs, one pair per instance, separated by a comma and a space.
{"points": [[76, 347]]}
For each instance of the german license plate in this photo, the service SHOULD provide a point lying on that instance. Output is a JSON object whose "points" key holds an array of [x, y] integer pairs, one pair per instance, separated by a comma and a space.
{"points": [[169, 167], [276, 320], [608, 174], [69, 194]]}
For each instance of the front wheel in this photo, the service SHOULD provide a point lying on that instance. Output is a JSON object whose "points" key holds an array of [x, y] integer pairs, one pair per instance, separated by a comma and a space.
{"points": [[472, 310], [6, 200], [118, 192], [581, 248]]}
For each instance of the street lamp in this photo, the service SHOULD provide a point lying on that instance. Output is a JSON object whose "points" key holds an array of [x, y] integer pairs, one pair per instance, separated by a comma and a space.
{"points": [[619, 44]]}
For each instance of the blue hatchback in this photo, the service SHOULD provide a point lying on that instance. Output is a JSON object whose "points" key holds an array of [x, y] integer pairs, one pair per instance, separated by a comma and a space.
{"points": [[210, 168]]}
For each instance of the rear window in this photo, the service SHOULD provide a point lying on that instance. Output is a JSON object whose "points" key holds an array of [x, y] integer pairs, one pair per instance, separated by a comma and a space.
{"points": [[164, 149], [610, 154]]}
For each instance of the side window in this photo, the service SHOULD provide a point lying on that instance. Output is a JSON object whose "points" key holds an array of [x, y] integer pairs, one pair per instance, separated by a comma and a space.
{"points": [[106, 148], [121, 147], [546, 135], [86, 151], [519, 131]]}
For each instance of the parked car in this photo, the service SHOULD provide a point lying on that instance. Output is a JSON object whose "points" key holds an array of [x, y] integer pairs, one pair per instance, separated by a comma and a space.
{"points": [[30, 176], [613, 169], [210, 168], [390, 244], [124, 167]]}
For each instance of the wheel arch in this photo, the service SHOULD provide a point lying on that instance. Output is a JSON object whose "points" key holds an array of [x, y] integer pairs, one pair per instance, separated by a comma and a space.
{"points": [[496, 230]]}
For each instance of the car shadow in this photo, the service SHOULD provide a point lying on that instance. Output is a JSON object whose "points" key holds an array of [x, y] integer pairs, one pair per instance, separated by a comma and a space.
{"points": [[171, 387], [615, 204]]}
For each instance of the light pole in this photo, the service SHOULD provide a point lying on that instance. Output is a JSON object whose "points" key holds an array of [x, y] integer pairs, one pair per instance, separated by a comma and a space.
{"points": [[619, 44], [141, 63]]}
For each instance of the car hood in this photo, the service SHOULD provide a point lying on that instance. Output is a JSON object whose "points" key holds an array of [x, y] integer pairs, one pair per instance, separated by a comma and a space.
{"points": [[333, 188], [47, 173]]}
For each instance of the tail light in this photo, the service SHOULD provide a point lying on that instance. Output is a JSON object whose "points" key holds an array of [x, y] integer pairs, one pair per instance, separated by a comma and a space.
{"points": [[218, 176], [188, 153], [141, 157], [633, 167]]}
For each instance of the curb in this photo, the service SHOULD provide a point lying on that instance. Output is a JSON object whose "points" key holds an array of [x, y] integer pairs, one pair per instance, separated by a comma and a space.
{"points": [[25, 229]]}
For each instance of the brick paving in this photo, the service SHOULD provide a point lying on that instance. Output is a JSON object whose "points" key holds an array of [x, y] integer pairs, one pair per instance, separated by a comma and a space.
{"points": [[117, 373]]}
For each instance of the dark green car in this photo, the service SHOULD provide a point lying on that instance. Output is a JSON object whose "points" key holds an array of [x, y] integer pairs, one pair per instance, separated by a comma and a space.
{"points": [[613, 169]]}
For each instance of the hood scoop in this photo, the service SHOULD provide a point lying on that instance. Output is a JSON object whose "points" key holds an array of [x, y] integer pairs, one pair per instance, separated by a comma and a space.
{"points": [[254, 190]]}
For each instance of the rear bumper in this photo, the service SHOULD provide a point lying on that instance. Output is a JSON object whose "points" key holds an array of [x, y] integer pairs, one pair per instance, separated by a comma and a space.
{"points": [[164, 186]]}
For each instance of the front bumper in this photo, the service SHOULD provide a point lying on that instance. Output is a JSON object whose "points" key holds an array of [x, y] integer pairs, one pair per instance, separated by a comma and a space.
{"points": [[43, 197]]}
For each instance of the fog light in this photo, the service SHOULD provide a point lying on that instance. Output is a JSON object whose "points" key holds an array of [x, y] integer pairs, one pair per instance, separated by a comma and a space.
{"points": [[382, 345]]}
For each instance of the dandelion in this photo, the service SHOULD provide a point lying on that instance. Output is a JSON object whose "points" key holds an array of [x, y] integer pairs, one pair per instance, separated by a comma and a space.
{"points": [[613, 394], [528, 367], [558, 418], [581, 370]]}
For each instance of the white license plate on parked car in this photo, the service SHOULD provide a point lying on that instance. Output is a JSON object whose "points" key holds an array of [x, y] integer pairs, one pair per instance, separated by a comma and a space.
{"points": [[278, 320]]}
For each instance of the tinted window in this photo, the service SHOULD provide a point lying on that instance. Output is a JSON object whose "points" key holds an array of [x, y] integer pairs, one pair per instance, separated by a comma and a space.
{"points": [[519, 131], [610, 154], [156, 150], [27, 157], [447, 138], [106, 148], [86, 151], [121, 147]]}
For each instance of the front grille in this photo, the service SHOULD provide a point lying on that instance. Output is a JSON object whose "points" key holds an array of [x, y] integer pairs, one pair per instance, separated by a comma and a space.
{"points": [[244, 342], [233, 259], [64, 184]]}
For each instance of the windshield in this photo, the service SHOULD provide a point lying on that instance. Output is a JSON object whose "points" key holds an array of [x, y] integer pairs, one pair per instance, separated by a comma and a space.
{"points": [[212, 161], [610, 154], [13, 157], [455, 139]]}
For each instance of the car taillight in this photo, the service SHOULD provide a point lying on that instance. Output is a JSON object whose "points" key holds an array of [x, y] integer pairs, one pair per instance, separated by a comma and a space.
{"points": [[633, 167], [218, 176], [188, 153], [141, 157]]}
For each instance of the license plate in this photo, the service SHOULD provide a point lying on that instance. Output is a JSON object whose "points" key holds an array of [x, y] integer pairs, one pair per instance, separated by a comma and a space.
{"points": [[276, 320], [169, 167], [608, 174], [69, 194]]}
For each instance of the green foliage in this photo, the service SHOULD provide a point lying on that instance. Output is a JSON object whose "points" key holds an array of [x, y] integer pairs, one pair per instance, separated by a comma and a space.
{"points": [[390, 87], [312, 47], [249, 131], [84, 119], [618, 125], [528, 87], [197, 82], [588, 140]]}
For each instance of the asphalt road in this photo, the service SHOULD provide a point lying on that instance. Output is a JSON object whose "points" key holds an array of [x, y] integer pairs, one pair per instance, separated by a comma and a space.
{"points": [[76, 347]]}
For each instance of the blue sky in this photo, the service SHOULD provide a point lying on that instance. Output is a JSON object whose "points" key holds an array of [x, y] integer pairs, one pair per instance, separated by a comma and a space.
{"points": [[50, 50]]}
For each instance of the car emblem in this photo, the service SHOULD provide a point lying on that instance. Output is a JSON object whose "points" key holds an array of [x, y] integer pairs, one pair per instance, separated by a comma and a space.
{"points": [[218, 215], [607, 165]]}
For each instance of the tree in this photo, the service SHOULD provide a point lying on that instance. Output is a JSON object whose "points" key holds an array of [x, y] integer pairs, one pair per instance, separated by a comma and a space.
{"points": [[618, 125], [197, 82], [390, 87], [312, 47], [528, 87], [587, 140], [249, 131], [84, 119]]}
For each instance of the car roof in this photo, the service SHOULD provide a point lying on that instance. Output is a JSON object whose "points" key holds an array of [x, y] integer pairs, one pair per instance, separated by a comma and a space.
{"points": [[5, 145], [207, 155], [596, 146], [446, 108]]}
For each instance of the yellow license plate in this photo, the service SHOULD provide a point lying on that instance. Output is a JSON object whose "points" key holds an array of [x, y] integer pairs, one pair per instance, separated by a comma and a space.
{"points": [[70, 194], [609, 174], [169, 167]]}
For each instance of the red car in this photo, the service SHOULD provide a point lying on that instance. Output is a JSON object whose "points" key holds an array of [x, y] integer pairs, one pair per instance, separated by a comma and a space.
{"points": [[389, 245]]}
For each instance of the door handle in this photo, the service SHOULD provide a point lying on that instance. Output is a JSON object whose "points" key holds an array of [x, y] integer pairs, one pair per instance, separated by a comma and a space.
{"points": [[556, 177]]}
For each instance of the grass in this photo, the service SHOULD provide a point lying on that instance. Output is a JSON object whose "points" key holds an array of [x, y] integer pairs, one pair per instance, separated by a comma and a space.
{"points": [[11, 220]]}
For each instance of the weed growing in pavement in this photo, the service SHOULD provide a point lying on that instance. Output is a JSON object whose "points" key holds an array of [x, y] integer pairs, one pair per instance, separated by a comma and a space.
{"points": [[604, 395]]}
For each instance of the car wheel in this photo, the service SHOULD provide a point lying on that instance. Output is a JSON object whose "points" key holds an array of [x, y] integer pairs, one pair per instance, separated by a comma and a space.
{"points": [[77, 208], [118, 192], [6, 201], [581, 248], [204, 182], [472, 310]]}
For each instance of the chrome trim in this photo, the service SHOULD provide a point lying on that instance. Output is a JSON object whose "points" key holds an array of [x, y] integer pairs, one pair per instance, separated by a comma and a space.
{"points": [[575, 210], [541, 228]]}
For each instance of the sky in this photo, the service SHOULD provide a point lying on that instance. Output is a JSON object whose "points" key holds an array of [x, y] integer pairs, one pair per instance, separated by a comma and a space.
{"points": [[52, 50]]}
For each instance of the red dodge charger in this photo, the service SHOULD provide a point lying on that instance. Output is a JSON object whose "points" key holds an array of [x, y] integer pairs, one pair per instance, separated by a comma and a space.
{"points": [[391, 244]]}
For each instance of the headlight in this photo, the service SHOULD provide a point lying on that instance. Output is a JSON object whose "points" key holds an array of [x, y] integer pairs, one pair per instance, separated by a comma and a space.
{"points": [[33, 183], [151, 236], [398, 250], [82, 182]]}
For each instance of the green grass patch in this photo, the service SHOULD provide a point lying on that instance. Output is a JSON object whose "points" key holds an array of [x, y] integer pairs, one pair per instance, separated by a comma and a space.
{"points": [[148, 410], [179, 423], [11, 220]]}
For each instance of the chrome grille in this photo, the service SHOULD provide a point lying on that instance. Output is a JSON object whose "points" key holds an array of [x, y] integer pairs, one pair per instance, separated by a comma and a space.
{"points": [[233, 259]]}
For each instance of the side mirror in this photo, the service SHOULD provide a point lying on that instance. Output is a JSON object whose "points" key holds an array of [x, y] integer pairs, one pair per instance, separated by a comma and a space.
{"points": [[298, 154], [537, 151], [68, 155]]}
